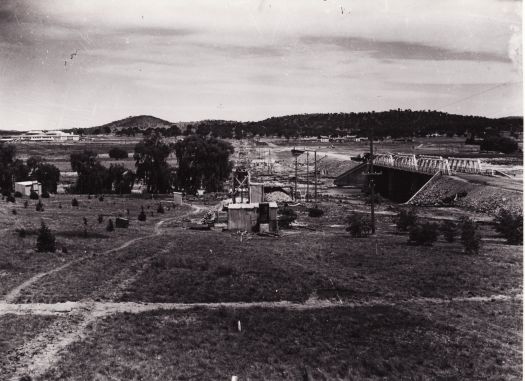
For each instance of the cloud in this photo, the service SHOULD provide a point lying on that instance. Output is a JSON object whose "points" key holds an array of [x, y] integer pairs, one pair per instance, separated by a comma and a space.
{"points": [[402, 49]]}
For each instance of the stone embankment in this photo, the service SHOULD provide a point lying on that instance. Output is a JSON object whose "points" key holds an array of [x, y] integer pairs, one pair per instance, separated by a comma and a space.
{"points": [[455, 191]]}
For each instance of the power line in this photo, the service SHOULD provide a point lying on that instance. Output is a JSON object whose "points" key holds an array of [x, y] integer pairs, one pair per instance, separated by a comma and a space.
{"points": [[476, 94]]}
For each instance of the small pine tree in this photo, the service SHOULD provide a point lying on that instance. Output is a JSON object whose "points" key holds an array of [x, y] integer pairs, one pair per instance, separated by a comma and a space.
{"points": [[142, 215], [101, 198], [100, 218], [74, 202], [470, 237], [510, 225], [423, 234], [14, 212], [160, 209], [286, 217], [33, 195], [26, 204], [45, 241], [315, 212], [449, 229], [39, 206], [406, 219], [358, 225], [110, 226]]}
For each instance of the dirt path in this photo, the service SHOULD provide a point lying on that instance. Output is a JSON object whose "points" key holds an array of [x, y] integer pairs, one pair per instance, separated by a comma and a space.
{"points": [[101, 309], [34, 357], [12, 295]]}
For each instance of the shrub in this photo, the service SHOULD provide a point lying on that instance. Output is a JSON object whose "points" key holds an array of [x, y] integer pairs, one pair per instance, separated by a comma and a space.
{"points": [[499, 144], [100, 218], [33, 195], [101, 198], [64, 249], [74, 202], [110, 226], [118, 153], [21, 232], [142, 215], [45, 194], [10, 198], [315, 212], [286, 217], [39, 206], [160, 209], [45, 241], [470, 237], [406, 219], [18, 194], [449, 230], [510, 225], [358, 225], [26, 204], [14, 212], [423, 234], [89, 197]]}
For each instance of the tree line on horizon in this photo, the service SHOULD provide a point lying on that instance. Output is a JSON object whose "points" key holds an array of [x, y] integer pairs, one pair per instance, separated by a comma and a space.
{"points": [[393, 123]]}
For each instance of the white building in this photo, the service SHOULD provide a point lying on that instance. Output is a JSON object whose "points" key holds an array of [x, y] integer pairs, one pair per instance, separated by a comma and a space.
{"points": [[26, 187], [48, 136]]}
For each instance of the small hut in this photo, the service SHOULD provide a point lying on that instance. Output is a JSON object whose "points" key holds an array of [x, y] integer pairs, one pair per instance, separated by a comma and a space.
{"points": [[260, 216]]}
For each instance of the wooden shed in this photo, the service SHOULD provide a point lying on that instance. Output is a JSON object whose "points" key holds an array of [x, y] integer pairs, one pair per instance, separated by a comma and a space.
{"points": [[253, 217]]}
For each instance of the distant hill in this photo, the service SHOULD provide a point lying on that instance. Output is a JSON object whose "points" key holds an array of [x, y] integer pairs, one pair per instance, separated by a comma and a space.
{"points": [[394, 123], [139, 123]]}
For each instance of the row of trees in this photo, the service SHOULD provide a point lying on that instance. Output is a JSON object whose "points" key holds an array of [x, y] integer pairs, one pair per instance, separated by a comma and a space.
{"points": [[35, 168], [202, 162]]}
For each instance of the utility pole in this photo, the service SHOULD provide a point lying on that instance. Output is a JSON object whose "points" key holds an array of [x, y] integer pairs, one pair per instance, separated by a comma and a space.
{"points": [[315, 176], [295, 187], [307, 177], [371, 182]]}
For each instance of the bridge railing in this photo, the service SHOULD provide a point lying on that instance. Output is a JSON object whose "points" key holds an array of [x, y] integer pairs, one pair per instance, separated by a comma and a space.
{"points": [[432, 164]]}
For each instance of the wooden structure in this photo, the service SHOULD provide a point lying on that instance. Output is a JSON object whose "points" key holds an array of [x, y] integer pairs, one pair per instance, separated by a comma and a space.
{"points": [[253, 216]]}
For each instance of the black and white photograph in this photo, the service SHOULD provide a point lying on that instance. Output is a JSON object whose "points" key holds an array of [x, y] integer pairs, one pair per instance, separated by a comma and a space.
{"points": [[241, 190]]}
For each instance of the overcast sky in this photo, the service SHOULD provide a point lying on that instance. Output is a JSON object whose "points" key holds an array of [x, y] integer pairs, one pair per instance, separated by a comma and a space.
{"points": [[81, 63]]}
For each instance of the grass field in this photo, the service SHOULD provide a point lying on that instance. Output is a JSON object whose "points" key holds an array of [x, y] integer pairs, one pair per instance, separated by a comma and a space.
{"points": [[372, 309], [336, 343]]}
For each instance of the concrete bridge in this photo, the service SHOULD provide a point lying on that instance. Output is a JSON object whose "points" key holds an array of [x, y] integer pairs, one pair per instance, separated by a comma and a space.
{"points": [[402, 176]]}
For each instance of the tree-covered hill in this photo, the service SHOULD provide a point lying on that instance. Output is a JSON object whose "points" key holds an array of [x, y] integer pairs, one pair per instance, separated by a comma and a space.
{"points": [[394, 123]]}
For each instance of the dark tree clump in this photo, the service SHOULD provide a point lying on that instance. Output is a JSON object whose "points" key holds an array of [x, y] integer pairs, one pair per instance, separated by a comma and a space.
{"points": [[203, 161], [118, 153], [151, 156]]}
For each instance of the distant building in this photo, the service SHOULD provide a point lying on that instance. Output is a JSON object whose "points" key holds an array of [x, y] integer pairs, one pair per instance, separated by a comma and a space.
{"points": [[324, 139], [26, 187], [48, 136]]}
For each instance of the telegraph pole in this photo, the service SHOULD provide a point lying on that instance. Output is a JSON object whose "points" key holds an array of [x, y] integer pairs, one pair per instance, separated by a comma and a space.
{"points": [[315, 176], [295, 186], [371, 182], [307, 177]]}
